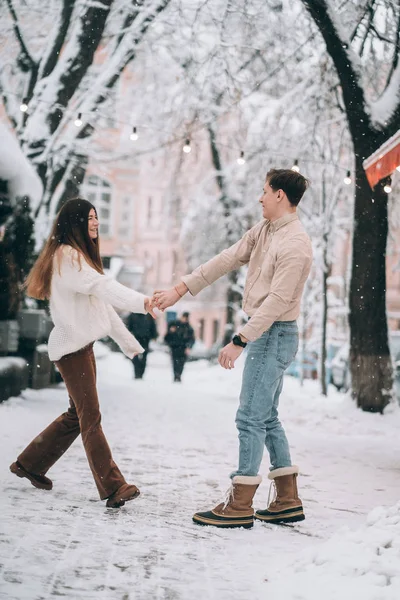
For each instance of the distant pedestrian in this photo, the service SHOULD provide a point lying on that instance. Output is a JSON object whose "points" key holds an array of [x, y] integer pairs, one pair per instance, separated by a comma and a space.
{"points": [[69, 273], [278, 253], [180, 339], [144, 329]]}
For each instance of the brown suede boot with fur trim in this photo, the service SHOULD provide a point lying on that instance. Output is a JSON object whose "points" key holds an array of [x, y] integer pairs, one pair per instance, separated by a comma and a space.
{"points": [[287, 506], [238, 510]]}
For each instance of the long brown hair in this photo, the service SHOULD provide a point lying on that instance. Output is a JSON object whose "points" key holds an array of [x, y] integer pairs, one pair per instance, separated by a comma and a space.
{"points": [[70, 228]]}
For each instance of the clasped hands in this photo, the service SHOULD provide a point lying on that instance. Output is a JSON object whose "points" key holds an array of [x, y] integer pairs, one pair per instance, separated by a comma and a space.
{"points": [[161, 299]]}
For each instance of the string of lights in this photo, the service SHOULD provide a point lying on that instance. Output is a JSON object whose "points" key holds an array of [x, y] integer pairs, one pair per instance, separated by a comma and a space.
{"points": [[185, 141]]}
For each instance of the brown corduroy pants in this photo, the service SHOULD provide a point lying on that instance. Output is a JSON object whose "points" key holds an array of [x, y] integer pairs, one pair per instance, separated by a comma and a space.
{"points": [[83, 416]]}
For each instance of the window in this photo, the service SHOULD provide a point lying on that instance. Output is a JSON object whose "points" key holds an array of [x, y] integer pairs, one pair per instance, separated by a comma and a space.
{"points": [[176, 209], [125, 218], [201, 329], [98, 192], [159, 266], [215, 330], [149, 210], [175, 259]]}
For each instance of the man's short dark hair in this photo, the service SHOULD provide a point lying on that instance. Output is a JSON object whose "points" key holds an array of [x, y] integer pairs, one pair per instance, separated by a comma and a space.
{"points": [[292, 183], [185, 314]]}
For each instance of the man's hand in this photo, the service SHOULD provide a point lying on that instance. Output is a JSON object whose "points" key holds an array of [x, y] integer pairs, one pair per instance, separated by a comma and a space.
{"points": [[228, 355], [187, 351], [149, 306], [162, 299]]}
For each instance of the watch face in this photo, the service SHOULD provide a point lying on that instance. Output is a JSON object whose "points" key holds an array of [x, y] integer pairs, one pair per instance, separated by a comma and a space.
{"points": [[237, 341]]}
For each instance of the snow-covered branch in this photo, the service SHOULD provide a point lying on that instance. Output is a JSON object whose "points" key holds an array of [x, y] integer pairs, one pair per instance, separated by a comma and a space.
{"points": [[58, 89], [386, 110], [338, 42], [56, 40], [26, 55]]}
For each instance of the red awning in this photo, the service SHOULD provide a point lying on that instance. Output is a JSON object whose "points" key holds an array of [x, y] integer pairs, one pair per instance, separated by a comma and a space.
{"points": [[384, 161]]}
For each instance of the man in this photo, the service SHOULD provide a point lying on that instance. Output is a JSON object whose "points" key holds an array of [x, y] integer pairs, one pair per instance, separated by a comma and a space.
{"points": [[278, 253], [180, 339], [144, 329]]}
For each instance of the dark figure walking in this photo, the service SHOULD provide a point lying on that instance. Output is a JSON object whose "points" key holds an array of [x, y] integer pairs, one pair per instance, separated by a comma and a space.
{"points": [[180, 338], [144, 328]]}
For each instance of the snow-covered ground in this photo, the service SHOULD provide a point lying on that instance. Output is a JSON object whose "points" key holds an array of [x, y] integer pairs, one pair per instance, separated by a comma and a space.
{"points": [[178, 443]]}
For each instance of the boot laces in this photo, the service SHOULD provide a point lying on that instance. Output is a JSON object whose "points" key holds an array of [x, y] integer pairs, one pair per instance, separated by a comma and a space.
{"points": [[272, 490], [228, 496]]}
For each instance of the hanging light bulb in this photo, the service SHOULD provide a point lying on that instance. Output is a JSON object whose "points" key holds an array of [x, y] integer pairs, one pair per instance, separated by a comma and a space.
{"points": [[78, 121], [296, 166], [241, 160], [387, 188], [134, 135], [187, 148], [347, 179], [24, 105]]}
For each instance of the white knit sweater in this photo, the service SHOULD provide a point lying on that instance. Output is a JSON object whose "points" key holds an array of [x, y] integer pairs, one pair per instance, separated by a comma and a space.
{"points": [[81, 307]]}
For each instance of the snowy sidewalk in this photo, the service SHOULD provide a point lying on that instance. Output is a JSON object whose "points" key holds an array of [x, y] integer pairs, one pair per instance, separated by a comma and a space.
{"points": [[179, 444]]}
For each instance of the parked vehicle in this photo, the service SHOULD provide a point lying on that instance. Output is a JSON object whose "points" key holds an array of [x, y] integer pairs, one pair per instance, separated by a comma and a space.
{"points": [[340, 371], [199, 351], [213, 352], [308, 362]]}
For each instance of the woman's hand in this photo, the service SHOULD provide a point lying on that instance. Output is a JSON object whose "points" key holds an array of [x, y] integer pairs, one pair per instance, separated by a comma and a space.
{"points": [[149, 306], [162, 299]]}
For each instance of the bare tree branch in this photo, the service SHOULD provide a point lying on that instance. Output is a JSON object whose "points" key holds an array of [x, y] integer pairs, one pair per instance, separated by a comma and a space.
{"points": [[367, 8]]}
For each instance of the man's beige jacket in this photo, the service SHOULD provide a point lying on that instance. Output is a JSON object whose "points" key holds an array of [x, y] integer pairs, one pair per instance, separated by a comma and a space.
{"points": [[279, 255]]}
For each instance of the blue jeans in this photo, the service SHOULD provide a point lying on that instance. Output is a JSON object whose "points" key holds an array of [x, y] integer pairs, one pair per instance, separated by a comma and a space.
{"points": [[257, 417]]}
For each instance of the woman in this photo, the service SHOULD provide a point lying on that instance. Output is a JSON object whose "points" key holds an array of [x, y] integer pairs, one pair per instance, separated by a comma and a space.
{"points": [[69, 273]]}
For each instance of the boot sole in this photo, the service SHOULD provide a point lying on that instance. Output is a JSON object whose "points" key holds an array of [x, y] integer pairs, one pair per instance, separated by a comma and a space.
{"points": [[120, 503], [16, 470], [288, 518], [246, 524]]}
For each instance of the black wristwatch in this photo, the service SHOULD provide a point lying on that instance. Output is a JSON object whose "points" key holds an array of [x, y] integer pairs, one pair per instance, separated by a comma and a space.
{"points": [[237, 341]]}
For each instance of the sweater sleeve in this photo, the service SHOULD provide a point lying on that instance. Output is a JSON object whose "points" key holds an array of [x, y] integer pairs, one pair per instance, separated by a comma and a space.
{"points": [[119, 333], [78, 276]]}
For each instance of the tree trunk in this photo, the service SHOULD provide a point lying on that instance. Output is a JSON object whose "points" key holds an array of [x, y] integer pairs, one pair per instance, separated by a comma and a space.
{"points": [[303, 337], [233, 297], [73, 181], [324, 315], [303, 349], [324, 388], [370, 362], [233, 300]]}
